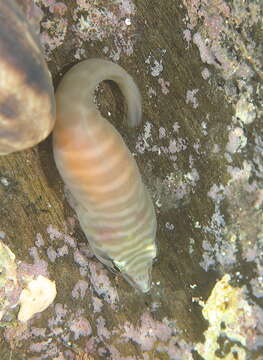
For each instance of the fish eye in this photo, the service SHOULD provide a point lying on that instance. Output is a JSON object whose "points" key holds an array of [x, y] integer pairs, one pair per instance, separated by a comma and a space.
{"points": [[115, 267], [154, 259], [119, 265]]}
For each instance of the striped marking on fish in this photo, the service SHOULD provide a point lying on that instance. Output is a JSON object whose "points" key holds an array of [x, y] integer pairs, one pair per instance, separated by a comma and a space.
{"points": [[113, 205]]}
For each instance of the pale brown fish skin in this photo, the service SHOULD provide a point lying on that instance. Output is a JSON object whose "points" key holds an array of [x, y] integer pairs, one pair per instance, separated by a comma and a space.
{"points": [[113, 205], [27, 99]]}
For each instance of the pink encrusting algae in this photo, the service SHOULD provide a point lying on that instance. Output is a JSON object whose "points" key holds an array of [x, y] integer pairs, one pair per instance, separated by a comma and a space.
{"points": [[39, 266], [208, 29], [80, 289], [148, 333], [80, 327], [92, 21], [102, 285]]}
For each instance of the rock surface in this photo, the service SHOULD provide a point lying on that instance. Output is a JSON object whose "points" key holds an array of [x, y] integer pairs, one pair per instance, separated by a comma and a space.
{"points": [[197, 64]]}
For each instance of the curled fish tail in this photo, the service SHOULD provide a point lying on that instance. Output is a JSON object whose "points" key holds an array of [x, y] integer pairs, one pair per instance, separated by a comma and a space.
{"points": [[113, 205], [89, 73]]}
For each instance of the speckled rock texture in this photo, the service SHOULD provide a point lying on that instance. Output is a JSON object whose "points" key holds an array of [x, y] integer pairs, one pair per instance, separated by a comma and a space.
{"points": [[198, 65]]}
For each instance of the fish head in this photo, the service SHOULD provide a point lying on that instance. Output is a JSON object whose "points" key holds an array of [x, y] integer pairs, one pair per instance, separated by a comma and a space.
{"points": [[141, 281], [138, 271]]}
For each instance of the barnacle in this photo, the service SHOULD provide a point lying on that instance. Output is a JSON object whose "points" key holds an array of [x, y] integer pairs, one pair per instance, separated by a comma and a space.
{"points": [[27, 105], [36, 297]]}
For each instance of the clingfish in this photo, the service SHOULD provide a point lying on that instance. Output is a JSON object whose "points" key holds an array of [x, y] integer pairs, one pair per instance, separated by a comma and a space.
{"points": [[113, 205]]}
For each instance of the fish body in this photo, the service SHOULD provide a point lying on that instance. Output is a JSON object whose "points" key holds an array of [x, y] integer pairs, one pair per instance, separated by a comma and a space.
{"points": [[113, 205]]}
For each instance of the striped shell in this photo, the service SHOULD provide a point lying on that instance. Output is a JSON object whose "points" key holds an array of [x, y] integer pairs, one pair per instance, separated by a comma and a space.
{"points": [[113, 205], [27, 101]]}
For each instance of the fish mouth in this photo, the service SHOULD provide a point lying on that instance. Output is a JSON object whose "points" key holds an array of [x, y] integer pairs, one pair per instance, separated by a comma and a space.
{"points": [[141, 282]]}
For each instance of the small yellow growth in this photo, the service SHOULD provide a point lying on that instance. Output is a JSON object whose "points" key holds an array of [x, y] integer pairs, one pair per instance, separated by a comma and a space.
{"points": [[36, 297], [226, 306], [7, 276], [7, 265]]}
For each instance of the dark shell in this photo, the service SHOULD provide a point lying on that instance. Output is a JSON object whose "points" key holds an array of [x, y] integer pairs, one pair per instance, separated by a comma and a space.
{"points": [[27, 103]]}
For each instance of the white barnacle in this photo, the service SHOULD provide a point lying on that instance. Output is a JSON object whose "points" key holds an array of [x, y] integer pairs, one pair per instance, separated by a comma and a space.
{"points": [[36, 297]]}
